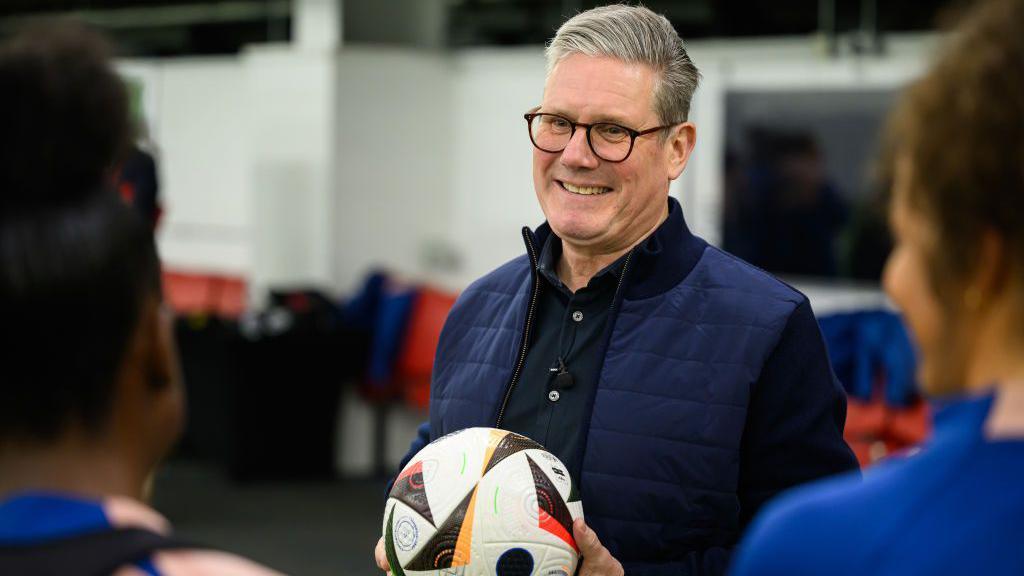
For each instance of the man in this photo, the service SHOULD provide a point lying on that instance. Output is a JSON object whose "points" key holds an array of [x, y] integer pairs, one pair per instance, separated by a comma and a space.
{"points": [[682, 387], [90, 399]]}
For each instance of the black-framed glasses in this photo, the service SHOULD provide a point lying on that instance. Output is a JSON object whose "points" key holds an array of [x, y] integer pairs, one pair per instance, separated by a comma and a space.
{"points": [[608, 141]]}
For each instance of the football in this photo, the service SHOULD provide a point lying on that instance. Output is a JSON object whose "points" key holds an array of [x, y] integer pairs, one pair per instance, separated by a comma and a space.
{"points": [[482, 502]]}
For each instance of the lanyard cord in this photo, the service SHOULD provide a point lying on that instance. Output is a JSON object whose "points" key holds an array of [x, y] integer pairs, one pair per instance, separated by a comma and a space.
{"points": [[563, 378]]}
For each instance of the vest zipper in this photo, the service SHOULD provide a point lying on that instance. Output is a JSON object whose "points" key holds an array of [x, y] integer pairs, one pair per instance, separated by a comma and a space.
{"points": [[526, 331], [618, 287]]}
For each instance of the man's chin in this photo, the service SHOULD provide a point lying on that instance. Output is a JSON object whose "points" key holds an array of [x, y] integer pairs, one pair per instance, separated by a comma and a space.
{"points": [[577, 233]]}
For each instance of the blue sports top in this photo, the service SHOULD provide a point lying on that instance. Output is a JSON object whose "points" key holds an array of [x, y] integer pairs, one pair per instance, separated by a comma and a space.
{"points": [[954, 507], [38, 517]]}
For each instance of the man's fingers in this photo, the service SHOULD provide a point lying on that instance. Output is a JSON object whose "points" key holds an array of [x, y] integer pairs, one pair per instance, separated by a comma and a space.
{"points": [[586, 539], [597, 560], [382, 557]]}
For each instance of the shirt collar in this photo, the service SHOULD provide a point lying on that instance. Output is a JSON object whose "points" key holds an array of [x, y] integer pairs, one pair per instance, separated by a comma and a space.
{"points": [[659, 263], [38, 515], [547, 265]]}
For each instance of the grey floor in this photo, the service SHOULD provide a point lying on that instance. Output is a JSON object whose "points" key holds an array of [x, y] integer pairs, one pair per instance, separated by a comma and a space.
{"points": [[315, 528]]}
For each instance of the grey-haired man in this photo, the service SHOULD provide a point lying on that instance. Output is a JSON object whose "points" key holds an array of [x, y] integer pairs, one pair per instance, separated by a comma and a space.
{"points": [[681, 386]]}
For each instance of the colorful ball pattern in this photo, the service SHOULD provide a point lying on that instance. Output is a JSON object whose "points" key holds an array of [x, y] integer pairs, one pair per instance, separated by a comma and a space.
{"points": [[482, 502]]}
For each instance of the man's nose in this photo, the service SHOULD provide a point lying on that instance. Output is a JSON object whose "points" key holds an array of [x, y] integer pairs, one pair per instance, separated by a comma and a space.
{"points": [[577, 153]]}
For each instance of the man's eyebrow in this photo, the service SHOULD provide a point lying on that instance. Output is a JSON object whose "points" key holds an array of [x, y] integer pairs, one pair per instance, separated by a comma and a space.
{"points": [[599, 118]]}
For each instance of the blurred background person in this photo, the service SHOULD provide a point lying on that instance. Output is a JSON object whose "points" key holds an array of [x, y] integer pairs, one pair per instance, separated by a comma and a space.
{"points": [[796, 213], [957, 274], [91, 399]]}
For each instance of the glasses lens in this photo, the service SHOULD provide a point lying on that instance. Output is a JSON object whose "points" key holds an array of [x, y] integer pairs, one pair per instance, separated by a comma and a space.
{"points": [[610, 141], [550, 133]]}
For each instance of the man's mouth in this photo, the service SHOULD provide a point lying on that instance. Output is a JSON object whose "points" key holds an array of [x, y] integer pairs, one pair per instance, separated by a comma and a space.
{"points": [[583, 190]]}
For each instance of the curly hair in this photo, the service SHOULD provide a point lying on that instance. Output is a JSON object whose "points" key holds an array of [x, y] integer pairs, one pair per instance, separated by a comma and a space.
{"points": [[960, 132]]}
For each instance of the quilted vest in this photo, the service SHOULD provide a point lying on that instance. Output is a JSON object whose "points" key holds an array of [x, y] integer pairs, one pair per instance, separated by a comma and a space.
{"points": [[691, 329]]}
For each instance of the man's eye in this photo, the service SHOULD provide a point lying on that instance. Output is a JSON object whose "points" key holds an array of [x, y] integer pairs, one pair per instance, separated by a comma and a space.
{"points": [[612, 131]]}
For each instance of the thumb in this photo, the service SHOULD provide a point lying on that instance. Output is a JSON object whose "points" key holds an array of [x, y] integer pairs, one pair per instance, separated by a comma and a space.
{"points": [[586, 538]]}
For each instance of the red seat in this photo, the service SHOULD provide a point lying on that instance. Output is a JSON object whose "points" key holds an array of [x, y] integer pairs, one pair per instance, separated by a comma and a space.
{"points": [[416, 359], [189, 293], [875, 430]]}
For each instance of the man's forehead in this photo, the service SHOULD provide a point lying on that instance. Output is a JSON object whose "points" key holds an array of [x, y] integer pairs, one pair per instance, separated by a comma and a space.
{"points": [[597, 88]]}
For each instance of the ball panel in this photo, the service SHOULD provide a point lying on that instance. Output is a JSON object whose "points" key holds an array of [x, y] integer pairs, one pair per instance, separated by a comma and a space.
{"points": [[554, 514], [463, 550], [389, 546], [410, 489], [514, 562], [548, 560], [487, 492], [513, 558], [510, 509], [555, 470], [508, 445], [439, 551], [508, 506], [451, 469], [405, 531], [558, 562]]}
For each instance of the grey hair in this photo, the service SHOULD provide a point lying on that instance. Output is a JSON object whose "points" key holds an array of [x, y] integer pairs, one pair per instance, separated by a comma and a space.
{"points": [[633, 34]]}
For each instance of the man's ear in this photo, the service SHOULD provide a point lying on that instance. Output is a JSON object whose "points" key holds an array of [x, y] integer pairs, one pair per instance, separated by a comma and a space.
{"points": [[680, 142]]}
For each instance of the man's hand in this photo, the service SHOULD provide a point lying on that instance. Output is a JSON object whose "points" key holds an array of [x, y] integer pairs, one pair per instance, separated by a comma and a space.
{"points": [[597, 561], [381, 556]]}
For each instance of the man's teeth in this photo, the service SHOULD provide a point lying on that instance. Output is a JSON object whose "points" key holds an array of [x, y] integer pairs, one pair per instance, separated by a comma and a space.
{"points": [[585, 190]]}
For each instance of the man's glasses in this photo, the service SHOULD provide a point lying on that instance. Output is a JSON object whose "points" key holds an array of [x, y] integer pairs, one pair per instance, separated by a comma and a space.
{"points": [[609, 142]]}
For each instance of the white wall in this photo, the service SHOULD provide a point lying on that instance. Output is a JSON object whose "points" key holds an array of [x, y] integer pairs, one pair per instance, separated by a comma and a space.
{"points": [[292, 103], [197, 112], [309, 166], [245, 149], [492, 159], [392, 163], [433, 160]]}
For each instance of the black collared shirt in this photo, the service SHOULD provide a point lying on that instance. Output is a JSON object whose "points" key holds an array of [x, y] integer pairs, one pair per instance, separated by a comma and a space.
{"points": [[569, 331]]}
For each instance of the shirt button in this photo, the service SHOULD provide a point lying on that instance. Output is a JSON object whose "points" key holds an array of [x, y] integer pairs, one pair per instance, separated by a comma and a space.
{"points": [[554, 395], [577, 316]]}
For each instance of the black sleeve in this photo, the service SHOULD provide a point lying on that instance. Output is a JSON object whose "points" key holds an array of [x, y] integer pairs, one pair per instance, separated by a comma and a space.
{"points": [[793, 434], [794, 429]]}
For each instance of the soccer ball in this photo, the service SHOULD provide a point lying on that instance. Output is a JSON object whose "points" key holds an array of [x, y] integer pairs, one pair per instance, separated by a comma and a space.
{"points": [[482, 502]]}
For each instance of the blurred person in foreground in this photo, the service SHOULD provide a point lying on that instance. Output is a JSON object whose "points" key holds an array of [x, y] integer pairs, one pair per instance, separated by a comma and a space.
{"points": [[681, 386], [90, 397], [957, 274]]}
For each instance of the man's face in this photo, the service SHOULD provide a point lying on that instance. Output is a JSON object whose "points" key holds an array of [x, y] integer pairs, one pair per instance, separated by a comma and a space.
{"points": [[619, 202]]}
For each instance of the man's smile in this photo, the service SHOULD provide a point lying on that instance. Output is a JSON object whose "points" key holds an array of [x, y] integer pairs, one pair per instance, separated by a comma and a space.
{"points": [[583, 190]]}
